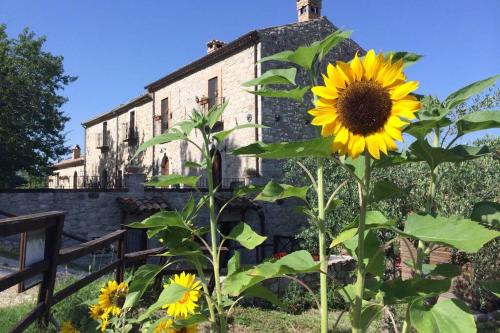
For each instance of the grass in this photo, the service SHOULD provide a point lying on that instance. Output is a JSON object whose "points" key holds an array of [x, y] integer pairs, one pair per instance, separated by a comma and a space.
{"points": [[73, 308]]}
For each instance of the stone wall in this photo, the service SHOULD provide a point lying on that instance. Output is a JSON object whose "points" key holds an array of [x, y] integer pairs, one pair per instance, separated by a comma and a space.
{"points": [[287, 120], [93, 213]]}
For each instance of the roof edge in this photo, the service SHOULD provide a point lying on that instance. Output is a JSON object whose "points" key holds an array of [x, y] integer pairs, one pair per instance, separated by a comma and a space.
{"points": [[227, 50], [118, 110]]}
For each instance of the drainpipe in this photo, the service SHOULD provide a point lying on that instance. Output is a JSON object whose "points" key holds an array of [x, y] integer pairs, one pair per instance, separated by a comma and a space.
{"points": [[153, 134], [256, 74]]}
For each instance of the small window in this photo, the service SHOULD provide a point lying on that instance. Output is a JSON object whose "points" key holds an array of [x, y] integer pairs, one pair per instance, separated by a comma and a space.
{"points": [[303, 10], [314, 10], [164, 114], [213, 92], [132, 120], [104, 142]]}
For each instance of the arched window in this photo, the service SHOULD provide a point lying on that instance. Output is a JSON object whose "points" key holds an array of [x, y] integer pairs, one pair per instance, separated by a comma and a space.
{"points": [[165, 166], [217, 168]]}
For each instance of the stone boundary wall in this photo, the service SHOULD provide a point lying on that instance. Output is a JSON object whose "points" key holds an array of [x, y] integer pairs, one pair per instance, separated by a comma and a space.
{"points": [[93, 213]]}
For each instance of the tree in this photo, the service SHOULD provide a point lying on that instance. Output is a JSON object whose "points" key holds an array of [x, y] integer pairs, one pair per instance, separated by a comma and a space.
{"points": [[31, 121]]}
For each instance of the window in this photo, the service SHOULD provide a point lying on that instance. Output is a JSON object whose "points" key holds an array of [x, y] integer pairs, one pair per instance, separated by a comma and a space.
{"points": [[213, 91], [303, 10], [314, 10], [164, 115], [132, 120]]}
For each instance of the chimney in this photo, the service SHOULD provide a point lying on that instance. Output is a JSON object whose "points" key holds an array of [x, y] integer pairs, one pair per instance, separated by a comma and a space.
{"points": [[76, 152], [308, 10], [214, 45]]}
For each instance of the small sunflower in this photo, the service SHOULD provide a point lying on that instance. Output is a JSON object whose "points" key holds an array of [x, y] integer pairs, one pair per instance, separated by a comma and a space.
{"points": [[96, 312], [67, 327], [187, 304], [362, 104], [167, 326], [112, 297]]}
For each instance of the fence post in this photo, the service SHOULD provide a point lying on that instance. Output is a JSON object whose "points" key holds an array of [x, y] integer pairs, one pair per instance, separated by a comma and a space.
{"points": [[53, 236], [120, 270]]}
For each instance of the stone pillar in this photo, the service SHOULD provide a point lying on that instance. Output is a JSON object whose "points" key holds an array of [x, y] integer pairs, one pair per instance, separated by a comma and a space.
{"points": [[136, 182]]}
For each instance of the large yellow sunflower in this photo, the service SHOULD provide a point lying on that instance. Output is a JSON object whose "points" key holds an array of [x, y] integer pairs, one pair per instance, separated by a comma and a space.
{"points": [[67, 327], [362, 104], [167, 326], [112, 297], [99, 314], [188, 302]]}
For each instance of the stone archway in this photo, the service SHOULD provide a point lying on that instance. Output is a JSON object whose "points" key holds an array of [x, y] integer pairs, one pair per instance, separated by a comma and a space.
{"points": [[165, 166]]}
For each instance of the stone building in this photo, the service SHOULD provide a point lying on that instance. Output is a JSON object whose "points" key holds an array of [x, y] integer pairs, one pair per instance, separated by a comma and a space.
{"points": [[111, 138], [69, 173]]}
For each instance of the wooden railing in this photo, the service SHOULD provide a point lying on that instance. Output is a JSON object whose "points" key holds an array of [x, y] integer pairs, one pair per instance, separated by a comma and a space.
{"points": [[53, 256]]}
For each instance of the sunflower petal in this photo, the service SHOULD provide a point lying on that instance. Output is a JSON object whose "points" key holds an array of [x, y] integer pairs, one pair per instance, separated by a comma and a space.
{"points": [[394, 133], [403, 90], [372, 144], [357, 68], [325, 92], [357, 147], [342, 136]]}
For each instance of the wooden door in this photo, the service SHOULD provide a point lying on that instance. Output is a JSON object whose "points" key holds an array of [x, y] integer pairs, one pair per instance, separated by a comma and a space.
{"points": [[165, 166], [217, 168]]}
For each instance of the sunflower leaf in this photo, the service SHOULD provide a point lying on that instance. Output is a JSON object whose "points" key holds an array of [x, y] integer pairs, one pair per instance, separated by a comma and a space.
{"points": [[487, 212], [274, 76], [173, 179], [409, 58], [297, 94], [244, 235], [451, 315], [460, 233], [222, 135], [467, 92], [171, 294], [318, 147], [477, 121], [274, 191]]}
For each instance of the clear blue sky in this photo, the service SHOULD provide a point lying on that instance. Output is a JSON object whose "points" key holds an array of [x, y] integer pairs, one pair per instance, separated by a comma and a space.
{"points": [[117, 47]]}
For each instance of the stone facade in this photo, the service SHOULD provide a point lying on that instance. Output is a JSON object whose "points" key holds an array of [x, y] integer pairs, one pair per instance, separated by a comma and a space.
{"points": [[227, 67]]}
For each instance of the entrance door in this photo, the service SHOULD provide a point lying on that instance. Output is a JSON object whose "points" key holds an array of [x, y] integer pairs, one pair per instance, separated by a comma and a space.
{"points": [[75, 180], [165, 166]]}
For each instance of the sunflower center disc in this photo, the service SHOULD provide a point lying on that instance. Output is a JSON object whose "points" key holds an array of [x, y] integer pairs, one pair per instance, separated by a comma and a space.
{"points": [[364, 107]]}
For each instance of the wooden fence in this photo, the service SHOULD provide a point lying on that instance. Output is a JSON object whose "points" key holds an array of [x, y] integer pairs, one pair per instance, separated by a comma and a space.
{"points": [[50, 226]]}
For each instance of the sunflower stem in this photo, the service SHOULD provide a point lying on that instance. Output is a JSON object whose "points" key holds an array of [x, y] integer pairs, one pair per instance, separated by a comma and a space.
{"points": [[322, 249], [213, 236], [361, 270]]}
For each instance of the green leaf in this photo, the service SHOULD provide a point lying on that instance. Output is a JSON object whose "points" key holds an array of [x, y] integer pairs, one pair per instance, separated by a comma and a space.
{"points": [[188, 209], [444, 270], [460, 233], [274, 191], [404, 291], [297, 94], [293, 263], [327, 44], [444, 317], [264, 293], [246, 190], [409, 58], [305, 56], [215, 113], [373, 252], [491, 286], [192, 165], [467, 92], [477, 121], [233, 265], [437, 155], [383, 190], [173, 179], [332, 205], [374, 220], [141, 281], [171, 294], [244, 235], [274, 76], [487, 212], [318, 147], [222, 135], [160, 139], [370, 311], [420, 129], [357, 165], [192, 320], [161, 219]]}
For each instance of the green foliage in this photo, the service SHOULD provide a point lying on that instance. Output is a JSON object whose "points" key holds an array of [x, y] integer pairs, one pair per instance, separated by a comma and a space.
{"points": [[244, 235], [446, 316], [274, 191], [31, 120]]}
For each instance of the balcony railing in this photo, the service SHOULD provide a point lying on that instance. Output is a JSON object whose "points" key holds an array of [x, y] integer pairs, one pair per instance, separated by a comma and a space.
{"points": [[102, 140], [130, 133], [226, 183]]}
